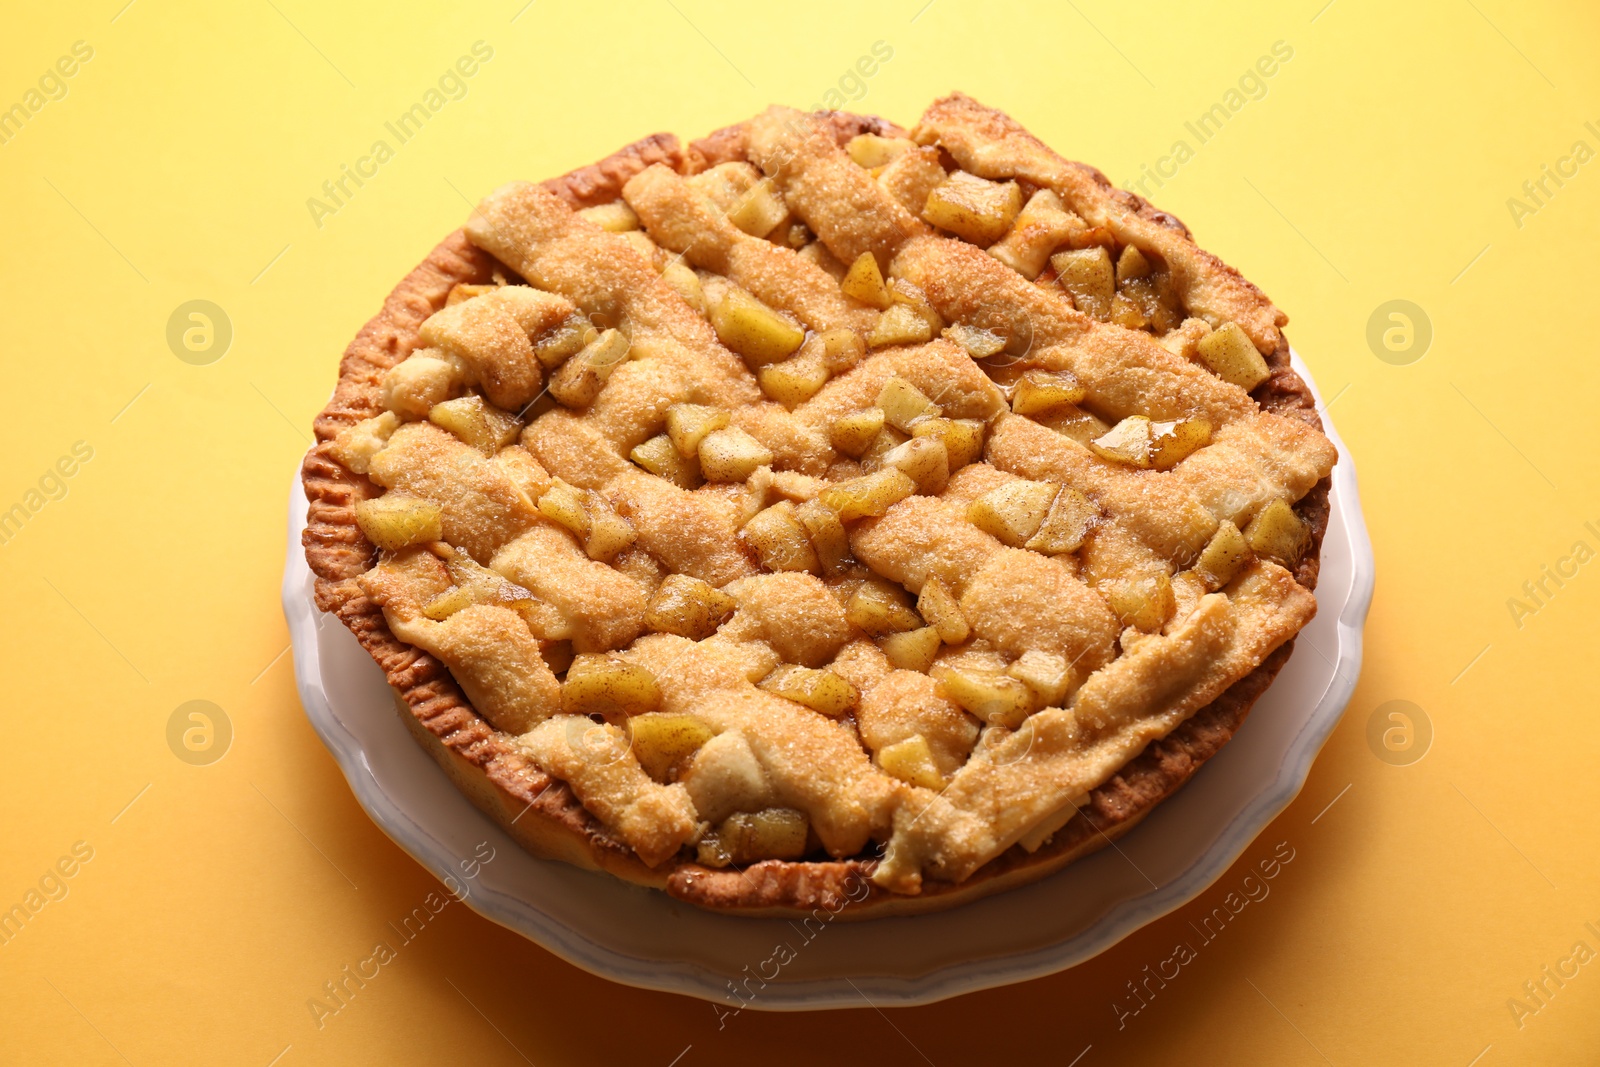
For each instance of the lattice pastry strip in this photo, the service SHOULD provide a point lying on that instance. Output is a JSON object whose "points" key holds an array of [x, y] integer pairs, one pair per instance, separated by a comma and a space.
{"points": [[537, 235], [993, 145], [1248, 464], [1000, 795], [848, 211], [684, 222], [1127, 371]]}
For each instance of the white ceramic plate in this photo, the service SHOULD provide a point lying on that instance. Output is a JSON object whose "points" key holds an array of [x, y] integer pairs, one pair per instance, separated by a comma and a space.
{"points": [[644, 938]]}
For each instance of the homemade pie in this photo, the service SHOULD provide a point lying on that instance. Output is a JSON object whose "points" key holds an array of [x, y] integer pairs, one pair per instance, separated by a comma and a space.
{"points": [[824, 515]]}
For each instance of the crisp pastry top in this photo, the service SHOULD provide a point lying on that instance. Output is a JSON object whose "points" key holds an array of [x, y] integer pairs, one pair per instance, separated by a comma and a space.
{"points": [[878, 498]]}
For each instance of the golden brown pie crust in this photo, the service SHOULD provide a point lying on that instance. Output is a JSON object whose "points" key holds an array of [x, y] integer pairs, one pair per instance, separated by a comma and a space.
{"points": [[541, 812]]}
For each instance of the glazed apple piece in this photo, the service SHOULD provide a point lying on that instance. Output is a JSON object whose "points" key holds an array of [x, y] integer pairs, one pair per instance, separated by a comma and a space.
{"points": [[615, 217], [852, 434], [1173, 441], [1128, 312], [779, 540], [821, 690], [565, 505], [938, 606], [796, 379], [688, 425], [905, 294], [864, 282], [1132, 265], [564, 341], [1074, 422], [394, 520], [973, 208], [839, 349], [993, 696], [1047, 675], [1012, 513], [912, 762], [752, 329], [1066, 524], [686, 283], [868, 496], [759, 210], [1145, 602], [900, 325], [1087, 274], [1156, 300], [1042, 225], [609, 533], [979, 343], [878, 608], [477, 422], [661, 457], [731, 455], [1277, 533], [1223, 557], [963, 438], [887, 441], [1233, 357], [688, 607], [828, 536], [579, 380], [466, 291], [770, 834], [662, 742], [923, 460], [912, 650], [871, 151], [598, 684], [1038, 392], [903, 404], [1128, 442]]}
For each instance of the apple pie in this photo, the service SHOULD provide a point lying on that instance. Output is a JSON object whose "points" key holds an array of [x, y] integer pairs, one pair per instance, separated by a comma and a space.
{"points": [[822, 515]]}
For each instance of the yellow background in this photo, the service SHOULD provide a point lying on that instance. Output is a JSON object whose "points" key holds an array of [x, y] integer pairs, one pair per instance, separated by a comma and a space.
{"points": [[1376, 167]]}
